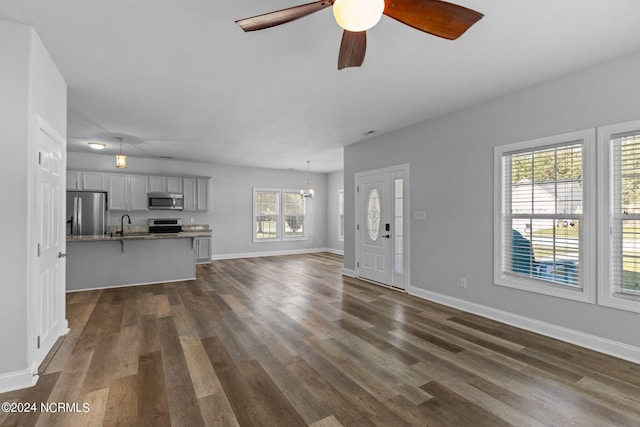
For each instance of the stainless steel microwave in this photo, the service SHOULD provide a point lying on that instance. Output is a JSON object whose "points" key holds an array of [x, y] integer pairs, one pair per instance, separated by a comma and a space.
{"points": [[167, 201]]}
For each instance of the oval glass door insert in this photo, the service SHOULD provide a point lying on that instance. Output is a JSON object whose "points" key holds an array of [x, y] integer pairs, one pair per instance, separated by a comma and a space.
{"points": [[373, 215]]}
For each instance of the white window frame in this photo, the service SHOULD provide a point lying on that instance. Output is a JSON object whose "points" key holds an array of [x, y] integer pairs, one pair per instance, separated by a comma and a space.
{"points": [[305, 221], [280, 226], [607, 295], [341, 215], [587, 292], [278, 214]]}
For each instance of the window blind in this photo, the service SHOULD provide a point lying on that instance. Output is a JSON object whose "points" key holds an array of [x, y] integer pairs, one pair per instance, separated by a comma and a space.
{"points": [[625, 215], [267, 204], [294, 215], [542, 213]]}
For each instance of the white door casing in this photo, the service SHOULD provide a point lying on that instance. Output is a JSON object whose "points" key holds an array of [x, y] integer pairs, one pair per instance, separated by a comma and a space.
{"points": [[48, 302], [381, 207]]}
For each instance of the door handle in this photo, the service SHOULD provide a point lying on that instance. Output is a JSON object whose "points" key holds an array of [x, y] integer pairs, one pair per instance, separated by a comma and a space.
{"points": [[387, 236], [61, 255]]}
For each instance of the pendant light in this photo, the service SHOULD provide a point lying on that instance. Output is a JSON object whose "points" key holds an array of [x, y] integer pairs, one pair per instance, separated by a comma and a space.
{"points": [[307, 192], [121, 160]]}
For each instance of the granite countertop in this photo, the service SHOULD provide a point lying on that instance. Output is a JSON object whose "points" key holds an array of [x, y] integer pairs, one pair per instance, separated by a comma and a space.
{"points": [[142, 233]]}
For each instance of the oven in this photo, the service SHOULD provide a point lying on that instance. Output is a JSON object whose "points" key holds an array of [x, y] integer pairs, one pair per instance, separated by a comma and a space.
{"points": [[165, 225]]}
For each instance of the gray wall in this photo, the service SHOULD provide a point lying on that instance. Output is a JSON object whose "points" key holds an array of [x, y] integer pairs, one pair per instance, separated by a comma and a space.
{"points": [[30, 84], [451, 161], [230, 215], [335, 182]]}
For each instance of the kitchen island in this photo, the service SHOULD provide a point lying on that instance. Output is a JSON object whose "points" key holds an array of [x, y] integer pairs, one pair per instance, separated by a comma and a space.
{"points": [[110, 260]]}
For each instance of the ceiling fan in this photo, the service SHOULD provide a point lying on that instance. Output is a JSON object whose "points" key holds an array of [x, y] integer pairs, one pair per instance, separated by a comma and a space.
{"points": [[442, 19]]}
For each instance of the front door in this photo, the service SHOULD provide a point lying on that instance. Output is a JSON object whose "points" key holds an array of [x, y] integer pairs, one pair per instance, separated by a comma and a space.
{"points": [[375, 229], [49, 295], [381, 226]]}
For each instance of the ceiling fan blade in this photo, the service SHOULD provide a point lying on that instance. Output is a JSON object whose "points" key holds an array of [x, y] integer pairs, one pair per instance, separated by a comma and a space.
{"points": [[352, 49], [435, 17], [272, 19]]}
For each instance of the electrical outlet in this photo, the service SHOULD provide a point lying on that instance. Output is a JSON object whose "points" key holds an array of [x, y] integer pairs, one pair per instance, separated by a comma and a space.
{"points": [[192, 220], [463, 282]]}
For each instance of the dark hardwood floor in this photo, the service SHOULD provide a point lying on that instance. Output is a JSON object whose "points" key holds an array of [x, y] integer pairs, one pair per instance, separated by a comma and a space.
{"points": [[288, 341]]}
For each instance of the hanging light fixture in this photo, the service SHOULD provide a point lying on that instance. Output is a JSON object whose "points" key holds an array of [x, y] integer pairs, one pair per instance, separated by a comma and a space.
{"points": [[121, 160], [307, 192]]}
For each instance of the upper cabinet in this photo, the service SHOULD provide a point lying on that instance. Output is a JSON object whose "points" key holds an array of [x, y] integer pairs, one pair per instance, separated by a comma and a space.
{"points": [[128, 192], [93, 181], [169, 184], [88, 181], [189, 185], [202, 193], [196, 194], [174, 184], [138, 192], [157, 184], [74, 180]]}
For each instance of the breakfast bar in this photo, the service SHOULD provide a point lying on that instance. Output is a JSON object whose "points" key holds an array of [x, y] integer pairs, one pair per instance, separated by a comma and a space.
{"points": [[104, 261]]}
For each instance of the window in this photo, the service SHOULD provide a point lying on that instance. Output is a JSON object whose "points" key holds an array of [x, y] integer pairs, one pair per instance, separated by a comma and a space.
{"points": [[340, 215], [266, 209], [544, 192], [278, 215], [398, 245], [619, 192], [294, 215]]}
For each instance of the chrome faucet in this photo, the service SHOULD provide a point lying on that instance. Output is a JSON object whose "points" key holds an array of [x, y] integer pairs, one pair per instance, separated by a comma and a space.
{"points": [[121, 232]]}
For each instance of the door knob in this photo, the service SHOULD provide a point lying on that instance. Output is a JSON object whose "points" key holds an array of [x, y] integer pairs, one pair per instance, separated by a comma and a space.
{"points": [[61, 255]]}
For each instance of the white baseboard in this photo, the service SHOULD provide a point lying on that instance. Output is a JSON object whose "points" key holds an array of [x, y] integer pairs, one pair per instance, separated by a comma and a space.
{"points": [[17, 380], [348, 273], [592, 342], [334, 251], [28, 377], [268, 253]]}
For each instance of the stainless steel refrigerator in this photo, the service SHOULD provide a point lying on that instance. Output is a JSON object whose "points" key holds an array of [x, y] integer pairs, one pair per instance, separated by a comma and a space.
{"points": [[86, 212]]}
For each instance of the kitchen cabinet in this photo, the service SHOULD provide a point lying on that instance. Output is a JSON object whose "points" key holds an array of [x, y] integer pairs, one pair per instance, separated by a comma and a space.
{"points": [[174, 184], [127, 192], [157, 184], [74, 180], [90, 181], [118, 193], [202, 194], [189, 187], [165, 184], [203, 250], [93, 181], [196, 194], [138, 190]]}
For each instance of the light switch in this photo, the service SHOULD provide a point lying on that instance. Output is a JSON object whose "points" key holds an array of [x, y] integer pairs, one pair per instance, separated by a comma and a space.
{"points": [[419, 215]]}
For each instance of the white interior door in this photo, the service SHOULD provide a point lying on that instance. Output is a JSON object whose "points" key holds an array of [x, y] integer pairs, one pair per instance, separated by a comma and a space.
{"points": [[375, 260], [49, 293]]}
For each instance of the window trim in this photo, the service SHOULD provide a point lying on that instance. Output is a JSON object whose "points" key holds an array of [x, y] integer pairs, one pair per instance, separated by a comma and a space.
{"points": [[588, 261], [606, 292], [280, 234]]}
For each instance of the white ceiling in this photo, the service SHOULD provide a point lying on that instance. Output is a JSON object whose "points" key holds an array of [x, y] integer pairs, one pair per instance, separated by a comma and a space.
{"points": [[179, 78]]}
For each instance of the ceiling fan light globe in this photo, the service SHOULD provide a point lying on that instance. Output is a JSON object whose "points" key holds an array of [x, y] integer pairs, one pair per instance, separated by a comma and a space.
{"points": [[358, 15]]}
